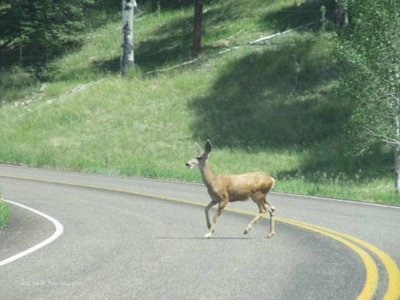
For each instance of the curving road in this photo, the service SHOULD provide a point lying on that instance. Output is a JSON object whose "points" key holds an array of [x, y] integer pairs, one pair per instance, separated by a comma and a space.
{"points": [[135, 238]]}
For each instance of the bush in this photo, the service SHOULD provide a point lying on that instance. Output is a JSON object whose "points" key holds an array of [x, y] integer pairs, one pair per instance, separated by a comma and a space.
{"points": [[14, 82]]}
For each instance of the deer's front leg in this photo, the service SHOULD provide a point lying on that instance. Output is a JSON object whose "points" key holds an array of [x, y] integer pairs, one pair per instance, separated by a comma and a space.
{"points": [[206, 209], [221, 206]]}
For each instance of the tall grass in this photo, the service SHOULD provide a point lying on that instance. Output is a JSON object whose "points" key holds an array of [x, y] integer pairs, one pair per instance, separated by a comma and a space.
{"points": [[4, 211], [264, 107]]}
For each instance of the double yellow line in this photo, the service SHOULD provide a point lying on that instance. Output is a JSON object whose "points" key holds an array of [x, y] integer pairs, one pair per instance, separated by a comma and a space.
{"points": [[360, 247]]}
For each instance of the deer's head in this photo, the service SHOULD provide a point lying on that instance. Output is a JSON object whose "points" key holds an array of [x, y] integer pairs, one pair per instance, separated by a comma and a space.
{"points": [[202, 156]]}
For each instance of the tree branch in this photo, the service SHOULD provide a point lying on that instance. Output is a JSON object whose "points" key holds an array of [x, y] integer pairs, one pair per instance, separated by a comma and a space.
{"points": [[263, 39], [173, 67], [383, 138]]}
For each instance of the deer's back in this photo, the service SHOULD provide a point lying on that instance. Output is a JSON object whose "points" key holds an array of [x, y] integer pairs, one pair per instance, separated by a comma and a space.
{"points": [[242, 186]]}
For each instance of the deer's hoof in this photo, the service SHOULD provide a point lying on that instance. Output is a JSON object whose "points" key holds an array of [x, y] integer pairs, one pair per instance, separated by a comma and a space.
{"points": [[246, 231], [207, 235], [270, 235]]}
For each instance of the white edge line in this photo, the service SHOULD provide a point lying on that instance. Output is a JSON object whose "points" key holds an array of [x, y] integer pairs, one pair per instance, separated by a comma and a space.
{"points": [[58, 232]]}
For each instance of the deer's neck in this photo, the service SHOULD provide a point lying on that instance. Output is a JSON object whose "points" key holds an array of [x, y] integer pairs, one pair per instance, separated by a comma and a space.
{"points": [[208, 175]]}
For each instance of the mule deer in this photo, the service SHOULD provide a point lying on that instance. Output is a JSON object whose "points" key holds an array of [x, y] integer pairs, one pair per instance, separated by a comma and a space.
{"points": [[224, 188]]}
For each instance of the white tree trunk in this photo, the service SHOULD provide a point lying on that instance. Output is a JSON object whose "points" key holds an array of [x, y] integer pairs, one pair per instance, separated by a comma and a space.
{"points": [[127, 55]]}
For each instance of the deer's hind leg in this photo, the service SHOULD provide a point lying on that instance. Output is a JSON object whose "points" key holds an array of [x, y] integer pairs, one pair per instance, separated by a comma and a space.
{"points": [[271, 210], [259, 200], [263, 206]]}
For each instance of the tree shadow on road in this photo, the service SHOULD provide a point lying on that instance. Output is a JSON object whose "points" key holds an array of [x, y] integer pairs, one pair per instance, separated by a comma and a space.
{"points": [[212, 238]]}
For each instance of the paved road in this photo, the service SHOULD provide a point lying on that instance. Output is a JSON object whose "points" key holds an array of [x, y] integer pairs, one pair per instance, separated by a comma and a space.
{"points": [[135, 238]]}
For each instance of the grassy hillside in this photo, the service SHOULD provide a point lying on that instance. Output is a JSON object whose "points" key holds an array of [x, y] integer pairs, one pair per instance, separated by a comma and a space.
{"points": [[268, 107]]}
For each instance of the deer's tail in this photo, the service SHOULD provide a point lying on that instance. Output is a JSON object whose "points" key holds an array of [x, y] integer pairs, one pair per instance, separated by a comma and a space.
{"points": [[273, 183]]}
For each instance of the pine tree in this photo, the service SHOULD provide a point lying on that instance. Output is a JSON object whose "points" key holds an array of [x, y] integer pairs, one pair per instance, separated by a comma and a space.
{"points": [[41, 29]]}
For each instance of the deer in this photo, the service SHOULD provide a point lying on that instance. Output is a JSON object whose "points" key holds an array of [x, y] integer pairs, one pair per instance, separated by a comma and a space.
{"points": [[225, 188]]}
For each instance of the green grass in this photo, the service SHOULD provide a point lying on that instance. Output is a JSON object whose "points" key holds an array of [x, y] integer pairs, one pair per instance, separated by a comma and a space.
{"points": [[4, 211], [265, 107]]}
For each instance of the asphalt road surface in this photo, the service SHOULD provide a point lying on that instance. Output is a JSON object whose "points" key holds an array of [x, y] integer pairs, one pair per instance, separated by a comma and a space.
{"points": [[104, 237]]}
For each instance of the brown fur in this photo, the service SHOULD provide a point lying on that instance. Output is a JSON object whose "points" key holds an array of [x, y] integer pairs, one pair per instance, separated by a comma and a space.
{"points": [[225, 188]]}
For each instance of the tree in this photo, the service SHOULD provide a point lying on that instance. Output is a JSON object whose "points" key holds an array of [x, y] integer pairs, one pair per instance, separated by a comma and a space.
{"points": [[41, 29], [127, 55], [368, 49], [342, 17], [198, 12]]}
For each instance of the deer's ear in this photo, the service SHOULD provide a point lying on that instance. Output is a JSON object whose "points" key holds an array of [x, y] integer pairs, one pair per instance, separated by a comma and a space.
{"points": [[208, 147], [198, 148]]}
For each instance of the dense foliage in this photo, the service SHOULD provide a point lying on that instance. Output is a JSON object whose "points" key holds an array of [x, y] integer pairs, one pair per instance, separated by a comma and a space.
{"points": [[40, 29], [368, 52], [35, 31]]}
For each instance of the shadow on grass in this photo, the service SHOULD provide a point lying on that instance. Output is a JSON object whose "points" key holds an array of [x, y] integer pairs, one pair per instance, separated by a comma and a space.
{"points": [[299, 15], [110, 65], [282, 98], [330, 162], [170, 43], [158, 52], [154, 5], [166, 45], [273, 98]]}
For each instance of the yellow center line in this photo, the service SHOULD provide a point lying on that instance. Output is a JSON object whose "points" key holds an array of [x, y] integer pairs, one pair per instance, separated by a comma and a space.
{"points": [[372, 275], [371, 270], [393, 289]]}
